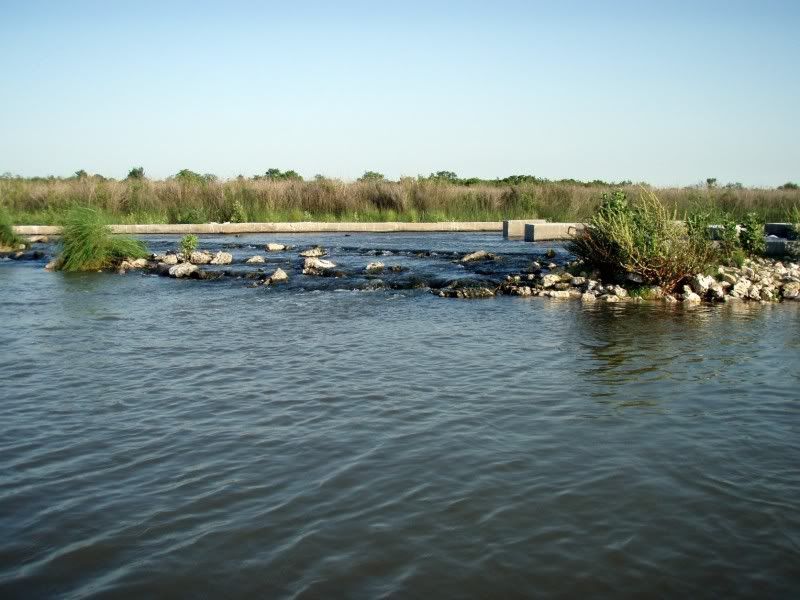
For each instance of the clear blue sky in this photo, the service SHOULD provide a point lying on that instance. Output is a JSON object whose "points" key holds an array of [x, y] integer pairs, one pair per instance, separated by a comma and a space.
{"points": [[666, 92]]}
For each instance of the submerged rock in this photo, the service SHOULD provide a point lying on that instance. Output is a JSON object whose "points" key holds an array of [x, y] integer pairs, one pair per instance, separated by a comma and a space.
{"points": [[272, 247], [476, 256], [314, 252], [467, 292], [222, 258], [255, 260]]}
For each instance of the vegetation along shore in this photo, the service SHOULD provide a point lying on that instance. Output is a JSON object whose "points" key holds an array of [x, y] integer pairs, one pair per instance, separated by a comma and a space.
{"points": [[283, 196]]}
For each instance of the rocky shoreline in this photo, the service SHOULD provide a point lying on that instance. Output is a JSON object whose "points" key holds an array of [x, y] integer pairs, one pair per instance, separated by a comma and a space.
{"points": [[757, 280], [761, 280]]}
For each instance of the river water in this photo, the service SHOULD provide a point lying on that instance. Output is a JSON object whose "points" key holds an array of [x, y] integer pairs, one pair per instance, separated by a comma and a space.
{"points": [[347, 438]]}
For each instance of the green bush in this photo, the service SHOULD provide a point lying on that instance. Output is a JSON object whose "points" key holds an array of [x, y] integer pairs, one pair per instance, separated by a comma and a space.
{"points": [[751, 236], [88, 244], [7, 235], [188, 244], [640, 239]]}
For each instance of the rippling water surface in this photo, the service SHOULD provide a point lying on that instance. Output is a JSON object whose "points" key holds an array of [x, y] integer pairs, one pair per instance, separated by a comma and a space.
{"points": [[340, 438]]}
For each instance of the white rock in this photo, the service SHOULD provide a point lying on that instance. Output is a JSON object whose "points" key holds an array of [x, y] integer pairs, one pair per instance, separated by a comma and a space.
{"points": [[701, 283], [255, 260], [279, 276], [550, 280], [167, 259], [182, 270], [222, 258], [376, 267], [609, 298], [312, 266], [200, 258], [588, 297], [619, 291], [272, 247]]}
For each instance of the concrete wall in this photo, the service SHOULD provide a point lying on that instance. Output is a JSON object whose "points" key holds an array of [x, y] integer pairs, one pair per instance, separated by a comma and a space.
{"points": [[300, 227], [515, 228], [539, 232]]}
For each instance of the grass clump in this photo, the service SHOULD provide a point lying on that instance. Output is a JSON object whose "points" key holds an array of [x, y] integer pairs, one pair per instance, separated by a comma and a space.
{"points": [[89, 245], [188, 244], [640, 240], [7, 236]]}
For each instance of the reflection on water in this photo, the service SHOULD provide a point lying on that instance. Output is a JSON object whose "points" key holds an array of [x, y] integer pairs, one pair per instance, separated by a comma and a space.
{"points": [[164, 438]]}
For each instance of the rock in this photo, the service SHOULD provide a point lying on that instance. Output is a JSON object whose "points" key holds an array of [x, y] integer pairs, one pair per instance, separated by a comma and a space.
{"points": [[476, 256], [535, 266], [272, 247], [634, 277], [467, 292], [619, 291], [740, 288], [550, 280], [689, 297], [730, 278], [551, 266], [167, 259], [200, 258], [375, 267], [791, 291], [37, 239], [610, 298], [255, 260], [279, 276], [577, 281], [670, 299], [315, 266], [700, 284], [314, 252], [588, 297], [222, 258], [716, 291], [53, 265], [182, 270], [557, 294]]}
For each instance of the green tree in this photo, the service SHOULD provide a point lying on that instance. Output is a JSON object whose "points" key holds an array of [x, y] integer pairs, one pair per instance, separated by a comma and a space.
{"points": [[136, 173], [371, 176]]}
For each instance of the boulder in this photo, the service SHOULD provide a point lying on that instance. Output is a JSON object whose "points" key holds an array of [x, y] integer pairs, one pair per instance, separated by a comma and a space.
{"points": [[375, 267], [610, 298], [689, 297], [791, 291], [740, 288], [467, 292], [182, 270], [255, 260], [314, 252], [167, 259], [53, 265], [634, 277], [272, 247], [550, 280], [200, 258], [315, 266], [588, 297], [222, 258], [619, 291], [716, 291], [700, 284]]}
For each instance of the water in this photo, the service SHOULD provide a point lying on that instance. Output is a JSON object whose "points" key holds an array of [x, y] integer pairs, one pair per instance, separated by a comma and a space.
{"points": [[171, 438]]}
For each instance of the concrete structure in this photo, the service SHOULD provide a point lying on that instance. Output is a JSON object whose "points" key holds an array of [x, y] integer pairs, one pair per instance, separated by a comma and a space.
{"points": [[777, 247], [539, 232], [515, 228], [782, 230], [299, 227]]}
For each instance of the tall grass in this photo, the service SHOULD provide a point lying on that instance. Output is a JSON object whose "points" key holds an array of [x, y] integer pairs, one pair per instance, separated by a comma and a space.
{"points": [[7, 236], [201, 200], [89, 245]]}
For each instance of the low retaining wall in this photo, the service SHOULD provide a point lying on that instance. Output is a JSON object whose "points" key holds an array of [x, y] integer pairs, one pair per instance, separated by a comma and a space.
{"points": [[300, 227], [541, 232]]}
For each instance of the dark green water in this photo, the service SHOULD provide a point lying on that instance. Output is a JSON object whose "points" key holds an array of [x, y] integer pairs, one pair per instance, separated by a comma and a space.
{"points": [[165, 438]]}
